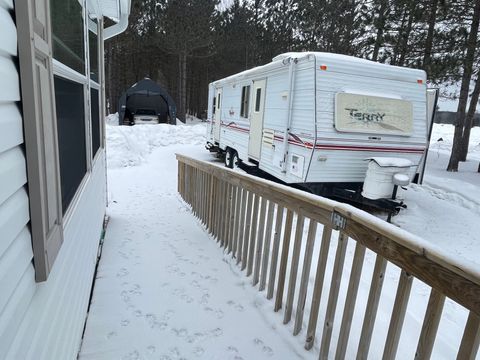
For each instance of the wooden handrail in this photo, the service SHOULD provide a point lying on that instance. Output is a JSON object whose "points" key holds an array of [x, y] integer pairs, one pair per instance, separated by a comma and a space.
{"points": [[225, 199]]}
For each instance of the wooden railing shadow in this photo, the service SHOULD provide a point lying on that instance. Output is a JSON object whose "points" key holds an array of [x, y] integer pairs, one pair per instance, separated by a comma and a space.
{"points": [[253, 220]]}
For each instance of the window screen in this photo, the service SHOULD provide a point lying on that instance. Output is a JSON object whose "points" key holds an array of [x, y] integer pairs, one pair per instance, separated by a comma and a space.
{"points": [[95, 118], [67, 34], [245, 101], [69, 100], [257, 99]]}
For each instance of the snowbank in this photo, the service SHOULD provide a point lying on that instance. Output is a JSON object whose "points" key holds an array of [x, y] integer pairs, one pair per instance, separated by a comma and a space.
{"points": [[130, 145], [112, 119]]}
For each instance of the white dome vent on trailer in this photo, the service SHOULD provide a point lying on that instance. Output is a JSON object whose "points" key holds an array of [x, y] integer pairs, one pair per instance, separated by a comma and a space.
{"points": [[383, 173]]}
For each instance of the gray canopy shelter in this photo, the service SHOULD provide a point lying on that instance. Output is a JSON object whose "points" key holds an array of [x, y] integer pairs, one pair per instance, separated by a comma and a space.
{"points": [[146, 96]]}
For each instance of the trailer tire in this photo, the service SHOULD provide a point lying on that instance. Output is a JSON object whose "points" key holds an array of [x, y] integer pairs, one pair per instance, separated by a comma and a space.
{"points": [[229, 154], [235, 160]]}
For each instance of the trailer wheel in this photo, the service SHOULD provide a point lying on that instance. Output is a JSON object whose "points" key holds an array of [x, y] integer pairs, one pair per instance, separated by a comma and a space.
{"points": [[229, 154], [235, 160]]}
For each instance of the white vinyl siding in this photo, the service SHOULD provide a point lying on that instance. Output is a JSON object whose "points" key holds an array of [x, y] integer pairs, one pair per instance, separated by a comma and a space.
{"points": [[40, 320], [16, 270]]}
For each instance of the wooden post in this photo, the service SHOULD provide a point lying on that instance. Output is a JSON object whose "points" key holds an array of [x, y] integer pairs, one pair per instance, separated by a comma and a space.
{"points": [[470, 339], [333, 296], [307, 263], [317, 288], [275, 249], [248, 222], [292, 281], [350, 301], [372, 307], [260, 238], [266, 248], [430, 325], [284, 260], [398, 315]]}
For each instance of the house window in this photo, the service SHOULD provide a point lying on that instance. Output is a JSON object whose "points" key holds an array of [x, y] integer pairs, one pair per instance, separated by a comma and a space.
{"points": [[69, 100], [245, 101], [67, 34], [258, 97]]}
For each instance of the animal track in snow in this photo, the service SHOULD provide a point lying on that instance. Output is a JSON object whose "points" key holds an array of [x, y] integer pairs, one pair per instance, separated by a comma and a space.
{"points": [[267, 350], [122, 272]]}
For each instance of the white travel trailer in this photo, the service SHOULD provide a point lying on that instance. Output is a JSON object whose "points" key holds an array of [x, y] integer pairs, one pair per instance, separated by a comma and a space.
{"points": [[337, 110]]}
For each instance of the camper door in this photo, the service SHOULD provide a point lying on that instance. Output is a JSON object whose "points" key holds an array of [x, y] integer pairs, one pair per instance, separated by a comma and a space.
{"points": [[256, 121], [217, 117]]}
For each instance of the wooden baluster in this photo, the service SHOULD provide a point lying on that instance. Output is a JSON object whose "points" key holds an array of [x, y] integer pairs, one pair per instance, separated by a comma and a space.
{"points": [[318, 286], [253, 234], [228, 209], [266, 248], [307, 263], [350, 301], [233, 218], [275, 249], [246, 237], [260, 238], [241, 225], [292, 281], [284, 260], [398, 316], [333, 296], [372, 307], [470, 339], [430, 325], [238, 205]]}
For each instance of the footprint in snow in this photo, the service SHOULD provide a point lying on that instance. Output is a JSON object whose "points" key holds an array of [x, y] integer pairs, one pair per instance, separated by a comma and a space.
{"points": [[151, 349], [122, 272], [134, 355], [111, 334], [198, 351], [125, 322], [267, 350]]}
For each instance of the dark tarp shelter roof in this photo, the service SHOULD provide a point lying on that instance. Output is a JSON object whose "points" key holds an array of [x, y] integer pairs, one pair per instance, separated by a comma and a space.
{"points": [[147, 95]]}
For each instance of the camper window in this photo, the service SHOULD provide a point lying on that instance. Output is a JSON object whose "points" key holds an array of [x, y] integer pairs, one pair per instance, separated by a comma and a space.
{"points": [[218, 101], [67, 34], [245, 101], [214, 104], [257, 99]]}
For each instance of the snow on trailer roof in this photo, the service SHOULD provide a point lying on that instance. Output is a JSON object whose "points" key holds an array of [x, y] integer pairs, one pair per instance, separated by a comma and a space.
{"points": [[338, 63]]}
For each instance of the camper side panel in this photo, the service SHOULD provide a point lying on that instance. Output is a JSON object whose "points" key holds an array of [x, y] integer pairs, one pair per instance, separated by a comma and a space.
{"points": [[339, 156], [40, 320], [302, 128], [53, 323], [16, 271]]}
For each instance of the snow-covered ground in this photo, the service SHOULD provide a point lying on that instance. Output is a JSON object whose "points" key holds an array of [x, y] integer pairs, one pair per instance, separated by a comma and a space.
{"points": [[165, 290]]}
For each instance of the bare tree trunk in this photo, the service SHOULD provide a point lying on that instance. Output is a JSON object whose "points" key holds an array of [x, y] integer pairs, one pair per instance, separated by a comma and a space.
{"points": [[406, 35], [432, 17], [182, 85], [380, 29], [462, 103], [469, 120]]}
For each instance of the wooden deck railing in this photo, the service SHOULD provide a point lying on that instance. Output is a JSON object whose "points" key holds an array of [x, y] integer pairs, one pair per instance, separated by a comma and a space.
{"points": [[253, 220]]}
